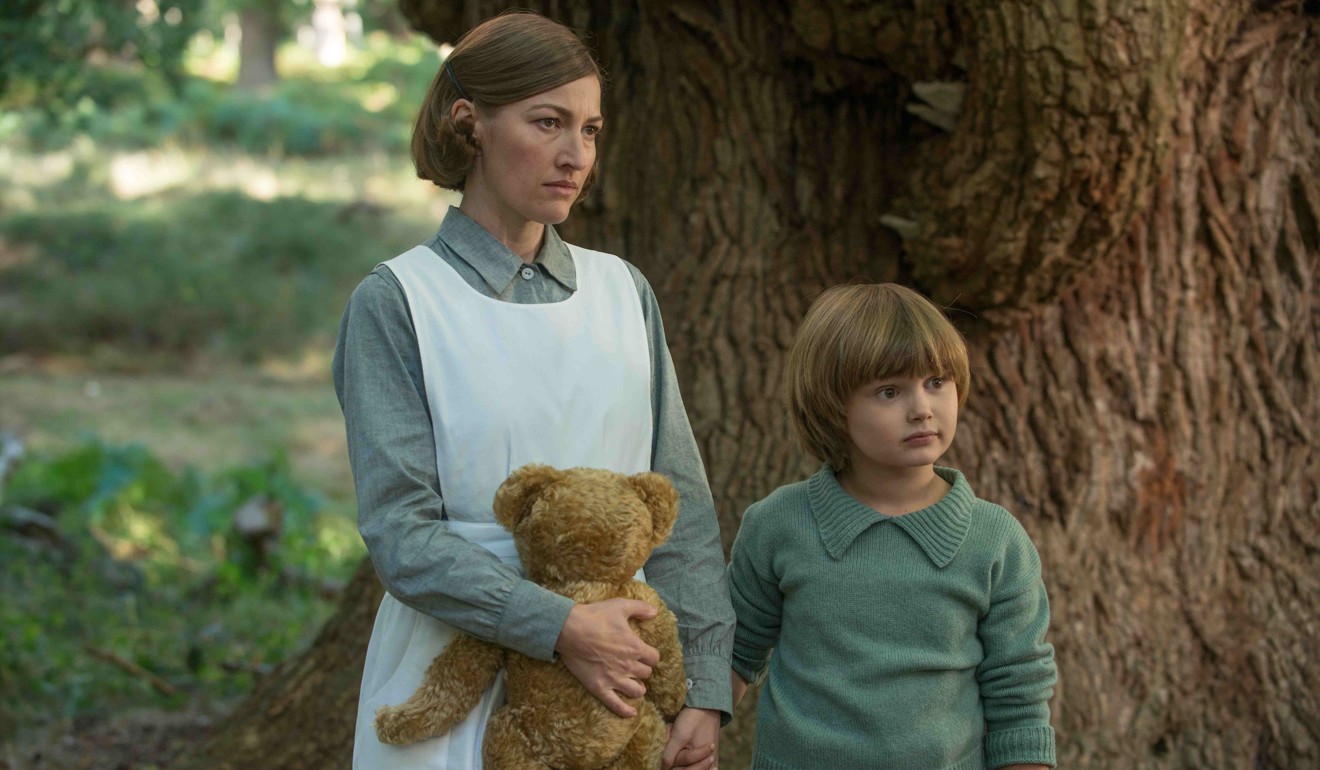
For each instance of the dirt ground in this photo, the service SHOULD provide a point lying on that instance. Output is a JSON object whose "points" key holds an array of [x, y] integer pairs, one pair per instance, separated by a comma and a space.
{"points": [[138, 740]]}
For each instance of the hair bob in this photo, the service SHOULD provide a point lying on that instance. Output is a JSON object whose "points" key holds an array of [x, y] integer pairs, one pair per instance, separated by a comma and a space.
{"points": [[502, 60], [855, 334]]}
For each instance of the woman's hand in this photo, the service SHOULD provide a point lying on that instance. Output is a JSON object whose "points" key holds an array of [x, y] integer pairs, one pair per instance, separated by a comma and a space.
{"points": [[693, 741], [599, 648]]}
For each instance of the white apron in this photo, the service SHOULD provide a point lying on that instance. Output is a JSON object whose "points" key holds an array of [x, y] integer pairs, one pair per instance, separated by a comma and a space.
{"points": [[567, 384]]}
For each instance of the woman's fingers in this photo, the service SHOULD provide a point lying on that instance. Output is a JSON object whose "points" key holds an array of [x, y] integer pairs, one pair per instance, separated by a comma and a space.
{"points": [[599, 647]]}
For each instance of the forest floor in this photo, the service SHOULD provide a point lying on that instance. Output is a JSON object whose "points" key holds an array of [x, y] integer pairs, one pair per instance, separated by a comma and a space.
{"points": [[203, 420], [146, 739]]}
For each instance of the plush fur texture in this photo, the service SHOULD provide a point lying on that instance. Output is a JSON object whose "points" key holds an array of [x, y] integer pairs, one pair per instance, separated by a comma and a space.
{"points": [[582, 533]]}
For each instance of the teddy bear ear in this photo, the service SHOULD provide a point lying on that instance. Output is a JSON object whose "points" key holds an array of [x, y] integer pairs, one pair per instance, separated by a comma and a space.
{"points": [[661, 499], [519, 490]]}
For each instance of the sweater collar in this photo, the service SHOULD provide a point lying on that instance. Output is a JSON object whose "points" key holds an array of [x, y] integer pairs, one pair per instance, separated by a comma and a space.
{"points": [[494, 262], [939, 529]]}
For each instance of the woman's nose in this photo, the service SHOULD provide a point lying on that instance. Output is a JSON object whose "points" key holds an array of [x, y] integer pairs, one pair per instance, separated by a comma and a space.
{"points": [[576, 152]]}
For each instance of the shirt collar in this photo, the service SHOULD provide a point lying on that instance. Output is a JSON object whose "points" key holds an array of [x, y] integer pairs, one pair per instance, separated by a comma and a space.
{"points": [[939, 529], [494, 262]]}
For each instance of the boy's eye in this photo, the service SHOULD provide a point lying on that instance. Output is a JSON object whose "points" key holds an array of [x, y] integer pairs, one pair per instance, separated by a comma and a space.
{"points": [[937, 382], [888, 393]]}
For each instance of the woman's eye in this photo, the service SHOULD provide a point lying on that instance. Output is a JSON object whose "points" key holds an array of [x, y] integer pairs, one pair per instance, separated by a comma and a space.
{"points": [[548, 122], [592, 130]]}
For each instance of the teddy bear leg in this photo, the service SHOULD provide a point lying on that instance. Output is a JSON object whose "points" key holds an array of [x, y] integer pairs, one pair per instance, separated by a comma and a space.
{"points": [[411, 722], [450, 689], [644, 751], [506, 746]]}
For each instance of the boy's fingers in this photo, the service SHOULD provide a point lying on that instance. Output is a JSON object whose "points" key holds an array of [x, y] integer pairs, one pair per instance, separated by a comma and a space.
{"points": [[690, 756]]}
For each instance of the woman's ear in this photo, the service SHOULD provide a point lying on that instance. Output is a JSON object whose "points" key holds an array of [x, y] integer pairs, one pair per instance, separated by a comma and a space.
{"points": [[463, 114], [514, 498], [661, 499]]}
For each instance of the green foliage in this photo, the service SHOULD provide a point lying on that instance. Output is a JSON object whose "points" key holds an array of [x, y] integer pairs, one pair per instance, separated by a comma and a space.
{"points": [[148, 570], [48, 45], [215, 272], [310, 113]]}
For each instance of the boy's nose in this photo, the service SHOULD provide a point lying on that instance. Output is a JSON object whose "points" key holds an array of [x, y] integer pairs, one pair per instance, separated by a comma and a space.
{"points": [[920, 409]]}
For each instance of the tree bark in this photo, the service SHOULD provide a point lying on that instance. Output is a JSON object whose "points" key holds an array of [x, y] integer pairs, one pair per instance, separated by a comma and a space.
{"points": [[1125, 220], [260, 25]]}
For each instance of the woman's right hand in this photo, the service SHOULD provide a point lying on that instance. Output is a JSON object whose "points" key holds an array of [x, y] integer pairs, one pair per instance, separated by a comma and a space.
{"points": [[605, 654]]}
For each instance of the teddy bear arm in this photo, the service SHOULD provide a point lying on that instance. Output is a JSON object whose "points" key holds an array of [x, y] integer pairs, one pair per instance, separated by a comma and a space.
{"points": [[451, 687]]}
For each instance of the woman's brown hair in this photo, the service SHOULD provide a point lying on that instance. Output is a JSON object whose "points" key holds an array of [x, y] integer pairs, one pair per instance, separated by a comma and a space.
{"points": [[855, 334], [502, 60]]}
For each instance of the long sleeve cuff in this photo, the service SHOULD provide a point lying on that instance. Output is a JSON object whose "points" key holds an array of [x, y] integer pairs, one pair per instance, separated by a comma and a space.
{"points": [[532, 620], [709, 686], [1022, 745]]}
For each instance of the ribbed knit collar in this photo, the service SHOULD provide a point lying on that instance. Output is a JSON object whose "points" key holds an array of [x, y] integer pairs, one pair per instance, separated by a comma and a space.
{"points": [[939, 529], [496, 264]]}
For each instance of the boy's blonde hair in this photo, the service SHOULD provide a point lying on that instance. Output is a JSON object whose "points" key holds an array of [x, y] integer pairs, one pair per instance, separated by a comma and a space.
{"points": [[855, 334]]}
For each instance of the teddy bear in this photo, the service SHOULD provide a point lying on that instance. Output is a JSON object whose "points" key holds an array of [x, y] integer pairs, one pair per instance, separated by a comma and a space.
{"points": [[582, 533]]}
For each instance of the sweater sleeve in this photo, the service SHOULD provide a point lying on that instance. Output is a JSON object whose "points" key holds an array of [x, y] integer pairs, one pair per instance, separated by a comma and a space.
{"points": [[378, 379], [688, 569], [1017, 674], [757, 599]]}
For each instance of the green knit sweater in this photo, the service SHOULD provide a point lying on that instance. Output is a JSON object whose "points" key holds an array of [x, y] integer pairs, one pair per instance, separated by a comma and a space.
{"points": [[912, 642]]}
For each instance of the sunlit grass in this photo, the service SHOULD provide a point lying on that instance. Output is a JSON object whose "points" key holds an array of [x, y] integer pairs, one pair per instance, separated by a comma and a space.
{"points": [[383, 179], [213, 418], [172, 271]]}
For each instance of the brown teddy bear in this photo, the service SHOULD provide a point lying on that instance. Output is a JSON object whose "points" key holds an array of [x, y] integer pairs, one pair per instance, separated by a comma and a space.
{"points": [[582, 533]]}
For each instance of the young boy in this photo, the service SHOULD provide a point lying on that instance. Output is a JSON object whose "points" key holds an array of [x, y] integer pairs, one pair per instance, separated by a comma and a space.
{"points": [[907, 616]]}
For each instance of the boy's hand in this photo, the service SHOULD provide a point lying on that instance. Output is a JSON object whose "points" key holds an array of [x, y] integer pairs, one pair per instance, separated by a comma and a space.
{"points": [[599, 648], [739, 687], [693, 741]]}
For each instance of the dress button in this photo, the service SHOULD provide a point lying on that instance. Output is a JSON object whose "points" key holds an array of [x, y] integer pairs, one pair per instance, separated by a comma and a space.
{"points": [[527, 273]]}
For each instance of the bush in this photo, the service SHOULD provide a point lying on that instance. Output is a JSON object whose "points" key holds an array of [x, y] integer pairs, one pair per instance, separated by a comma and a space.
{"points": [[214, 272], [148, 570]]}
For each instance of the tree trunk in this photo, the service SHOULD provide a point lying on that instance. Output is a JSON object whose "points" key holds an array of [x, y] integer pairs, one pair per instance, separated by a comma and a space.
{"points": [[1121, 206], [260, 25]]}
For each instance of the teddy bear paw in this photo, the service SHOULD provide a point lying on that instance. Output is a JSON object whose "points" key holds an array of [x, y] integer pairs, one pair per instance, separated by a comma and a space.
{"points": [[399, 725]]}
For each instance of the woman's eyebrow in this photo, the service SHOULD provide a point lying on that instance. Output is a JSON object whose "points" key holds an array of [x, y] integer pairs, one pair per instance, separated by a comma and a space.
{"points": [[563, 112]]}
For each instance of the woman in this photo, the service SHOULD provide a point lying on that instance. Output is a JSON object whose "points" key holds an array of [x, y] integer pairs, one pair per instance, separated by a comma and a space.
{"points": [[496, 344]]}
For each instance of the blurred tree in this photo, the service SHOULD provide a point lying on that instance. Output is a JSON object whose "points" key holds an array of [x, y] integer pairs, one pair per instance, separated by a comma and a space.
{"points": [[262, 27], [46, 46], [1119, 200], [264, 24]]}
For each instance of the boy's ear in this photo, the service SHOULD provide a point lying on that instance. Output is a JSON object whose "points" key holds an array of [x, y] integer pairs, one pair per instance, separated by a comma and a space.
{"points": [[661, 499], [515, 496]]}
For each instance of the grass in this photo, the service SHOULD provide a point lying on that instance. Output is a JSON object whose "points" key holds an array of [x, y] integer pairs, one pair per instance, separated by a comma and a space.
{"points": [[188, 271], [146, 572], [172, 272], [208, 420]]}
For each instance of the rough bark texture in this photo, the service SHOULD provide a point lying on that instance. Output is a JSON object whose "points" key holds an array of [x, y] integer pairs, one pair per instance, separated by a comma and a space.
{"points": [[1125, 215]]}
